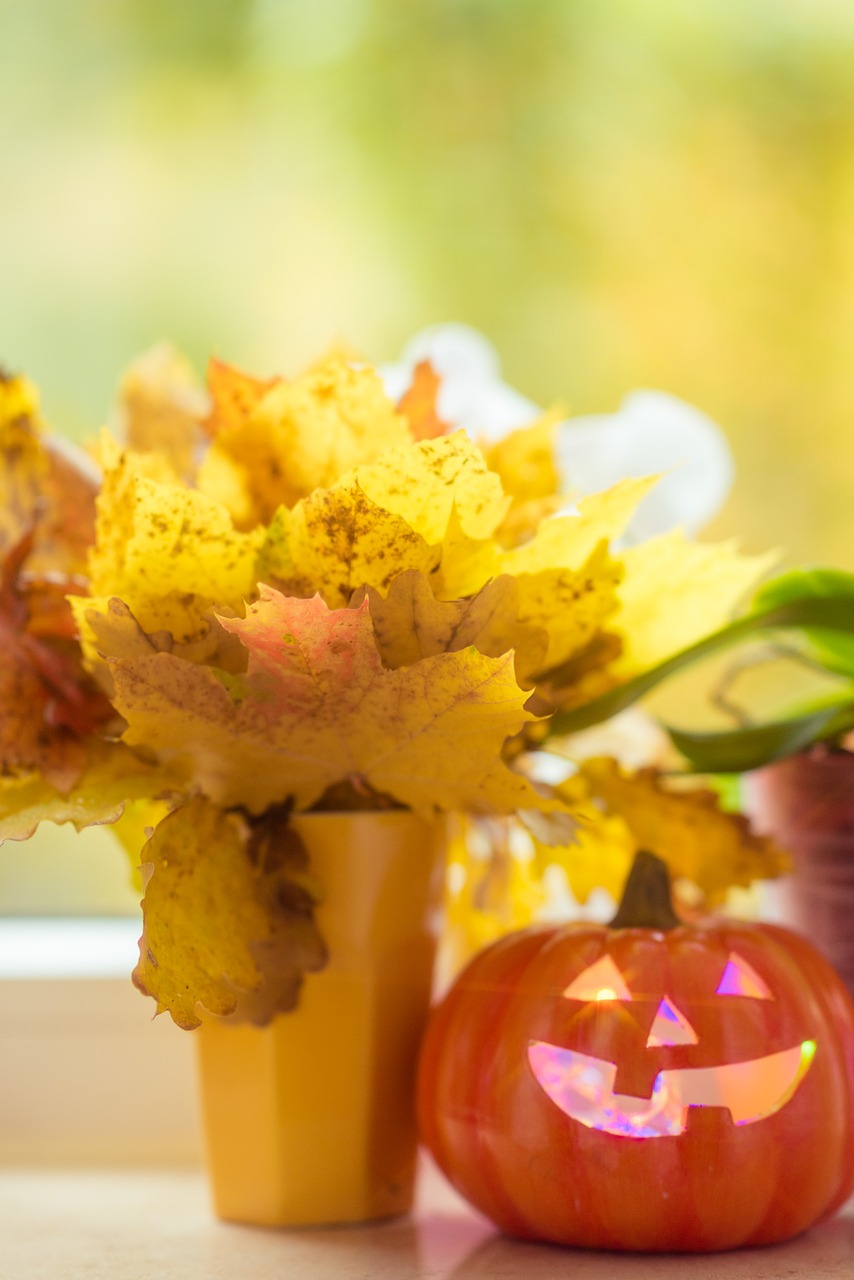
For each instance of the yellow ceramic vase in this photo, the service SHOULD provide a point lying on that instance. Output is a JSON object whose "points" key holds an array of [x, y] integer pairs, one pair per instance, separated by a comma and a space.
{"points": [[311, 1119]]}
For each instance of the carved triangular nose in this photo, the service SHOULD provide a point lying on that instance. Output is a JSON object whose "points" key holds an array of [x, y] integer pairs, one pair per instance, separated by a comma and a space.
{"points": [[670, 1026]]}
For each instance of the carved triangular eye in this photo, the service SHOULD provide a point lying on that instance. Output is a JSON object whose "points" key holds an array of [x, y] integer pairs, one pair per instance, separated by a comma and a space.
{"points": [[670, 1027], [741, 979], [599, 981]]}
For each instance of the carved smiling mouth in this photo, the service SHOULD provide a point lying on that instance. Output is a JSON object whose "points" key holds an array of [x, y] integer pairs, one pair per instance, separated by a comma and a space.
{"points": [[583, 1088]]}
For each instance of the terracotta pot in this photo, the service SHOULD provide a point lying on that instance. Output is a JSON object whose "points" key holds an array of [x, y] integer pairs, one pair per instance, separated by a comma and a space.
{"points": [[807, 804], [311, 1120]]}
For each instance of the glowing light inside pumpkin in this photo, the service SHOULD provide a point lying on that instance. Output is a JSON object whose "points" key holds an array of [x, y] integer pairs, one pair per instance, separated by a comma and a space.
{"points": [[582, 1087], [670, 1027], [741, 979], [599, 981]]}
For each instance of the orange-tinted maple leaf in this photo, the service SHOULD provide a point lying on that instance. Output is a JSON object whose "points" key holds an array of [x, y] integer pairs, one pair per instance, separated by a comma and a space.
{"points": [[317, 707], [234, 395], [47, 487], [418, 404], [49, 704]]}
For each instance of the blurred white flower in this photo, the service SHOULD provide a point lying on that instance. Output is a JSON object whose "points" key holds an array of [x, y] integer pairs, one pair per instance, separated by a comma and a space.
{"points": [[650, 432]]}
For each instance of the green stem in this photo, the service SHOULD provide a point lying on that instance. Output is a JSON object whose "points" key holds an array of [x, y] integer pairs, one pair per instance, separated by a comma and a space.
{"points": [[835, 613]]}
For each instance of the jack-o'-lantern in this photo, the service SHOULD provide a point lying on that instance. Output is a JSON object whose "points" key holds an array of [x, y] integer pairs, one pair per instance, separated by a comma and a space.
{"points": [[647, 1085]]}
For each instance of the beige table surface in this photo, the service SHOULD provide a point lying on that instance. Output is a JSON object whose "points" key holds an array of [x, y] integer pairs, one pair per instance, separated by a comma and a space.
{"points": [[152, 1225]]}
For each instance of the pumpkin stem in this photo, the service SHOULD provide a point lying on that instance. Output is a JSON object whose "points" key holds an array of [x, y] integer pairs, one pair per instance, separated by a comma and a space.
{"points": [[646, 901]]}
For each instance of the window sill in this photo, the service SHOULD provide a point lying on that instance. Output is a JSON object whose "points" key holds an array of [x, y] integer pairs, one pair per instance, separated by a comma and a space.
{"points": [[88, 1078]]}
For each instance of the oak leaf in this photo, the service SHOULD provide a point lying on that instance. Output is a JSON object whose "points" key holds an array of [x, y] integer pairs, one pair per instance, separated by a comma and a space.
{"points": [[599, 852], [317, 708], [228, 922], [701, 843]]}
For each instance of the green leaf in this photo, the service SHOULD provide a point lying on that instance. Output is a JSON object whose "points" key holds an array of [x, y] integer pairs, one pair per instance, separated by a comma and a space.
{"points": [[740, 750], [834, 613], [832, 649]]}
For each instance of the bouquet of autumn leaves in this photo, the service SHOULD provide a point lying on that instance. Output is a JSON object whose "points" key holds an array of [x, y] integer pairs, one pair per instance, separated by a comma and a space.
{"points": [[294, 595]]}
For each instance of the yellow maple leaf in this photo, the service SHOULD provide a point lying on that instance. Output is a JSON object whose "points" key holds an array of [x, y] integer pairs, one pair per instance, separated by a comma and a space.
{"points": [[317, 708], [161, 408], [228, 924], [566, 576], [467, 563], [411, 624], [336, 541], [525, 518], [306, 434], [569, 540], [424, 482], [116, 633], [113, 776], [524, 459], [676, 591], [234, 395], [168, 551], [570, 604], [222, 478], [712, 849]]}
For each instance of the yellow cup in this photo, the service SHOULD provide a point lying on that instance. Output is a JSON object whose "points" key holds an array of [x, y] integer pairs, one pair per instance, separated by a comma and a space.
{"points": [[311, 1119]]}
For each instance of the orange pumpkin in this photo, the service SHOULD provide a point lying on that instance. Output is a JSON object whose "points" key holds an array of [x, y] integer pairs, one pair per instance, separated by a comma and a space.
{"points": [[646, 1085]]}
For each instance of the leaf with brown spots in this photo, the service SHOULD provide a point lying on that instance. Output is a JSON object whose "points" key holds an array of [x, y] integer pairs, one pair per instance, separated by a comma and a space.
{"points": [[418, 403], [336, 541], [571, 605], [228, 917], [302, 435], [411, 624], [425, 482], [167, 551], [317, 707]]}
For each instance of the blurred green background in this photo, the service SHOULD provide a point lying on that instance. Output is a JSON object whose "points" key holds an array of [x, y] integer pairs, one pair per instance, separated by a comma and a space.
{"points": [[619, 194]]}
